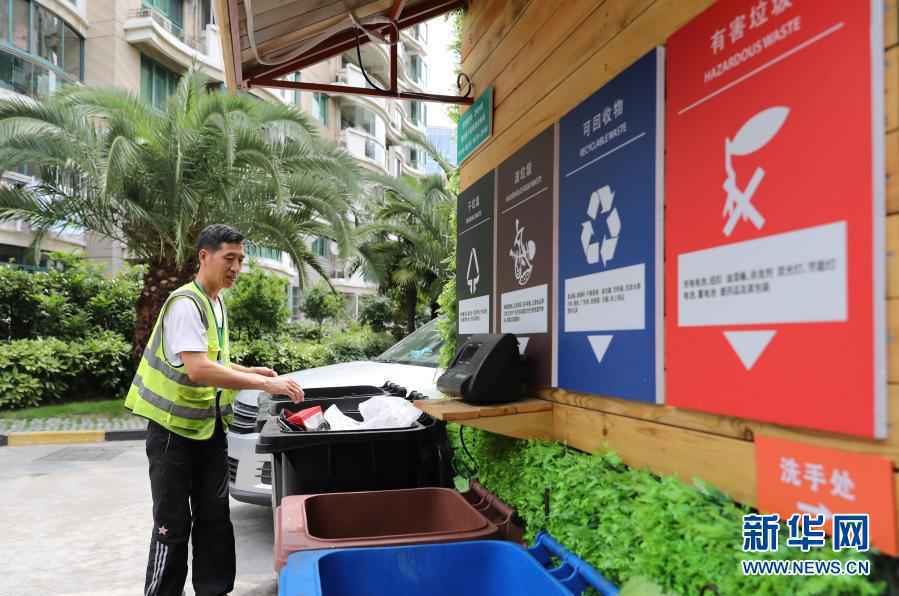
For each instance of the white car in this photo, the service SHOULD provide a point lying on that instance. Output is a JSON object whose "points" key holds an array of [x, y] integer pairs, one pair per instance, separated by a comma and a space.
{"points": [[411, 363]]}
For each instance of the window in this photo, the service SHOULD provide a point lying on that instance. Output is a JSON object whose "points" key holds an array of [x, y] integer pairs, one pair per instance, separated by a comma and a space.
{"points": [[371, 150], [421, 348], [156, 82], [172, 9], [72, 53], [5, 22], [21, 23], [296, 77], [321, 108], [414, 158], [50, 50], [206, 13], [17, 74], [417, 113], [46, 35], [319, 247], [418, 69], [262, 252], [366, 121], [420, 32]]}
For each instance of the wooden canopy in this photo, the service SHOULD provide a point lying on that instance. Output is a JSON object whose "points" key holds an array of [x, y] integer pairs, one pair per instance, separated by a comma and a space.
{"points": [[263, 40]]}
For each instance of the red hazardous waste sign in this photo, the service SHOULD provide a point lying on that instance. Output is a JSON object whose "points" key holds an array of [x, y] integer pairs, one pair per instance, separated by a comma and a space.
{"points": [[774, 214]]}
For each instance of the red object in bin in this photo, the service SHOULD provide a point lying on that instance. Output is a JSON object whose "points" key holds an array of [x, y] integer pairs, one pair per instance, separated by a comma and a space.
{"points": [[301, 417], [376, 518]]}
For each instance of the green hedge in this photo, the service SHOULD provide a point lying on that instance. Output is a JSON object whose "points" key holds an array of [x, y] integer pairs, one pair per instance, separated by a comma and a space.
{"points": [[49, 370], [285, 353], [632, 525], [69, 303], [42, 371]]}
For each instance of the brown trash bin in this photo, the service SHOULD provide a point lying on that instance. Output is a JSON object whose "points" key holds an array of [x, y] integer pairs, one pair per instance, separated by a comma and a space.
{"points": [[376, 518], [497, 511]]}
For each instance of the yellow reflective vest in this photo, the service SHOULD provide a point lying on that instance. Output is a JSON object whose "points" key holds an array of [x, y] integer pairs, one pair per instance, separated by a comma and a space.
{"points": [[165, 394]]}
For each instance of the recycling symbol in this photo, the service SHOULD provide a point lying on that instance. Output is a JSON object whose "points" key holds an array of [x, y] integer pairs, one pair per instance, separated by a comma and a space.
{"points": [[609, 230]]}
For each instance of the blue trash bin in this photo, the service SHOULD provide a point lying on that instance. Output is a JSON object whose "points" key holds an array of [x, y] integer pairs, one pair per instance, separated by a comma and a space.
{"points": [[476, 568]]}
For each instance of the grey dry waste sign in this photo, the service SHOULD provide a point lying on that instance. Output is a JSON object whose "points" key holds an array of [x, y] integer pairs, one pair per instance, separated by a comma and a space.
{"points": [[475, 125], [474, 257]]}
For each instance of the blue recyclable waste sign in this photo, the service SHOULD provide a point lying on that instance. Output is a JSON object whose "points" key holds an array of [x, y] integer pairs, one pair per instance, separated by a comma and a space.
{"points": [[610, 243]]}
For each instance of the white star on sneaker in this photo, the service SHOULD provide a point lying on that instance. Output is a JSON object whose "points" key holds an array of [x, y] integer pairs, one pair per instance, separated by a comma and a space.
{"points": [[163, 530]]}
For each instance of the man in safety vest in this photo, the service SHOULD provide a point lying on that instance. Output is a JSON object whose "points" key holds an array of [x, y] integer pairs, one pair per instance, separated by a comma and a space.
{"points": [[185, 387]]}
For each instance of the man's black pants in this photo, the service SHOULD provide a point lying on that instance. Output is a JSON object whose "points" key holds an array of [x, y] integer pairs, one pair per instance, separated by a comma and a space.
{"points": [[189, 482]]}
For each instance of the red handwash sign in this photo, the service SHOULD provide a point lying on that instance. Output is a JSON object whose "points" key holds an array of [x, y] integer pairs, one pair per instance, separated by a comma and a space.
{"points": [[793, 477], [774, 214]]}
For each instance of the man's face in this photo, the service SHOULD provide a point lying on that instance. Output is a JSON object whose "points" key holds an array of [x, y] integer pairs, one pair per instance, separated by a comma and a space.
{"points": [[224, 264]]}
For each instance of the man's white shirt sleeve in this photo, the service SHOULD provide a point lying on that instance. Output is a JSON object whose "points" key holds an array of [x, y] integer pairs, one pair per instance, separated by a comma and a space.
{"points": [[184, 330]]}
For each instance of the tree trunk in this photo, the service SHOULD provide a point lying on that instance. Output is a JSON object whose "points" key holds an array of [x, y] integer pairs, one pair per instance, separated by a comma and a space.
{"points": [[410, 301], [161, 278]]}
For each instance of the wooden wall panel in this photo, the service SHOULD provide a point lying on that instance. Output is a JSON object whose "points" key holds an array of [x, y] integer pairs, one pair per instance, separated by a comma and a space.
{"points": [[543, 58], [725, 462], [591, 56], [890, 23]]}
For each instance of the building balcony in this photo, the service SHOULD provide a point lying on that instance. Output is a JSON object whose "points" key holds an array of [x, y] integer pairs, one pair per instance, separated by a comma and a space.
{"points": [[416, 170], [156, 35], [351, 76], [415, 40], [365, 148], [389, 110], [376, 58]]}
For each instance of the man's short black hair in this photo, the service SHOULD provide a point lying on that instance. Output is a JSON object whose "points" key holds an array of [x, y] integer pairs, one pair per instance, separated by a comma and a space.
{"points": [[213, 236]]}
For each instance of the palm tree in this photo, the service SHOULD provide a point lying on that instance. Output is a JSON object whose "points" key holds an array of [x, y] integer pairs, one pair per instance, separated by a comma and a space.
{"points": [[110, 164], [411, 236]]}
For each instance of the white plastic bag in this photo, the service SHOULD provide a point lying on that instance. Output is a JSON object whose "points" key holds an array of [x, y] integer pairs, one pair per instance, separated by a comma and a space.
{"points": [[388, 411], [337, 420]]}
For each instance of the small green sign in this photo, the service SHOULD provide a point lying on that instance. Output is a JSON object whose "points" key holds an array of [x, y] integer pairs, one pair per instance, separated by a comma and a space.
{"points": [[475, 125]]}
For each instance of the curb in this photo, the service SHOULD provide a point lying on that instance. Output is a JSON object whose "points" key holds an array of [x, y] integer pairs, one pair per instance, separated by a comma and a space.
{"points": [[72, 436]]}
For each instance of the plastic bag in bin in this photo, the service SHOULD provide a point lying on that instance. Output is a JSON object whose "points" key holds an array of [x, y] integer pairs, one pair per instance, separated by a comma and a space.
{"points": [[337, 420], [388, 411]]}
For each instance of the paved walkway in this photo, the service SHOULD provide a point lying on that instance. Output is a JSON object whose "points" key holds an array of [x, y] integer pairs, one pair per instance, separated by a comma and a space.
{"points": [[72, 423], [77, 520]]}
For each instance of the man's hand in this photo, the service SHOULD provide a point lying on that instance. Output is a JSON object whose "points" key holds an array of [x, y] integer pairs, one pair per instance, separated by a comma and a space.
{"points": [[285, 386], [264, 371]]}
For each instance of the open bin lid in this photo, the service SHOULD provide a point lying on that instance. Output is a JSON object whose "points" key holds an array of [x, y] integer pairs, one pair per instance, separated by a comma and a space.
{"points": [[272, 439]]}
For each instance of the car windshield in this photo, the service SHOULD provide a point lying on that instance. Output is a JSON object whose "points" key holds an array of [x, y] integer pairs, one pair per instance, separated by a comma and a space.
{"points": [[421, 347]]}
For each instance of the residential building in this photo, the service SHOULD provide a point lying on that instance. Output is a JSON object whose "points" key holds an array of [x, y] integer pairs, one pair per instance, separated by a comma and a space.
{"points": [[443, 138], [145, 45]]}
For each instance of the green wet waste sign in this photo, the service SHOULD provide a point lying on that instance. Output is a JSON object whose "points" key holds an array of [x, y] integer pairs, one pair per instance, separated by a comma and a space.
{"points": [[475, 125]]}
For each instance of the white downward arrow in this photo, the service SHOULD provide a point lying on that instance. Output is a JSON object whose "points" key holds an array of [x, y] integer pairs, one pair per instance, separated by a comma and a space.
{"points": [[749, 345], [819, 509], [600, 343], [523, 344]]}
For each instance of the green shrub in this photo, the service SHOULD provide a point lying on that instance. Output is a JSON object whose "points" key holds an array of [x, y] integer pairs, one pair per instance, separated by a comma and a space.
{"points": [[357, 344], [321, 303], [67, 303], [449, 308], [285, 353], [111, 307], [377, 312], [630, 523], [49, 370], [257, 304], [304, 330], [280, 352]]}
